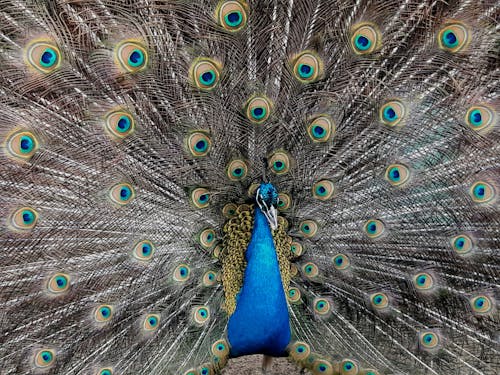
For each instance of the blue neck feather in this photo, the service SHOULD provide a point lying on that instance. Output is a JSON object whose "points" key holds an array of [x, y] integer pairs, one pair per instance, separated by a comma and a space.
{"points": [[260, 323]]}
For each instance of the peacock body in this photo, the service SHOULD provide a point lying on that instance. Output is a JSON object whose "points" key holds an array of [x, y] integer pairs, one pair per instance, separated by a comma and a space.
{"points": [[188, 182]]}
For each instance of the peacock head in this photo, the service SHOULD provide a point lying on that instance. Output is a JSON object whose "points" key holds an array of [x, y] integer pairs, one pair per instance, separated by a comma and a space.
{"points": [[267, 200]]}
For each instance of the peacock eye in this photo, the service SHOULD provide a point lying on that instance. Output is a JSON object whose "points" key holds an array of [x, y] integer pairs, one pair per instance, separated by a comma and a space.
{"points": [[279, 162], [103, 313], [119, 124], [220, 349], [151, 322], [44, 358], [22, 145], [392, 113], [349, 367], [106, 371], [206, 238], [310, 270], [480, 117], [462, 244], [379, 301], [482, 192], [206, 370], [198, 143], [453, 37], [321, 129], [323, 190], [131, 56], [481, 304], [341, 262], [143, 250], [365, 38], [231, 15], [182, 273], [293, 295], [237, 170], [23, 219], [397, 174], [258, 109], [43, 55], [58, 283], [423, 281], [122, 194], [299, 350], [322, 366], [284, 201], [200, 315], [308, 228], [374, 228], [321, 306], [209, 278], [200, 197], [429, 340], [205, 73], [296, 248], [307, 67], [229, 210]]}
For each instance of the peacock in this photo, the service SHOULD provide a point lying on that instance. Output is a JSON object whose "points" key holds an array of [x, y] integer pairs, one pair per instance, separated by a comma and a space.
{"points": [[188, 182]]}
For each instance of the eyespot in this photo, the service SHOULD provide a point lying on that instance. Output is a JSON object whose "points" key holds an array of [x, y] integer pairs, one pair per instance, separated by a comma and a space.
{"points": [[321, 306], [191, 371], [131, 56], [453, 37], [23, 219], [392, 113], [429, 340], [151, 322], [294, 271], [310, 270], [365, 38], [22, 145], [206, 369], [207, 238], [119, 124], [220, 348], [237, 170], [423, 281], [217, 250], [308, 228], [44, 56], [293, 295], [323, 190], [231, 15], [397, 174], [370, 372], [58, 283], [374, 228], [341, 262], [307, 67], [209, 278], [479, 117], [205, 73], [144, 250], [200, 197], [44, 358], [200, 314], [348, 367], [296, 248], [258, 109], [284, 201], [199, 143], [122, 194], [322, 367], [321, 129], [105, 371], [103, 313], [379, 301], [299, 350], [229, 210], [182, 272], [279, 162], [482, 192], [481, 304]]}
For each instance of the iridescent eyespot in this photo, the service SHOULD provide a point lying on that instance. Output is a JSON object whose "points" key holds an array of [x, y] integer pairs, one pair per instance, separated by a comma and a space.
{"points": [[229, 210], [321, 306], [308, 228], [365, 38], [369, 372], [58, 283], [310, 270], [43, 55], [258, 109], [220, 348], [423, 281], [296, 248], [22, 145], [348, 367], [341, 262], [379, 301], [392, 113], [321, 129], [374, 228], [44, 358], [143, 250], [429, 340], [482, 192], [191, 371], [200, 197], [119, 124], [122, 194], [200, 314], [322, 367], [105, 371], [206, 369], [23, 219], [462, 244], [182, 272], [231, 15], [480, 117], [209, 278], [481, 304], [323, 190], [237, 170], [151, 322], [279, 162], [299, 350], [131, 56], [453, 37], [205, 73], [284, 201], [397, 174], [307, 67], [198, 143], [103, 313], [293, 295], [206, 238]]}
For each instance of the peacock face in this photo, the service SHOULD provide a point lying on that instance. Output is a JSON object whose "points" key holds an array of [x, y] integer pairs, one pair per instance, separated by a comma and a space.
{"points": [[267, 200]]}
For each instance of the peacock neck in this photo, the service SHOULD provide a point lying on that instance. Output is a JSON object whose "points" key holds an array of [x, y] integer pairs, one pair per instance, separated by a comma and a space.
{"points": [[260, 323]]}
